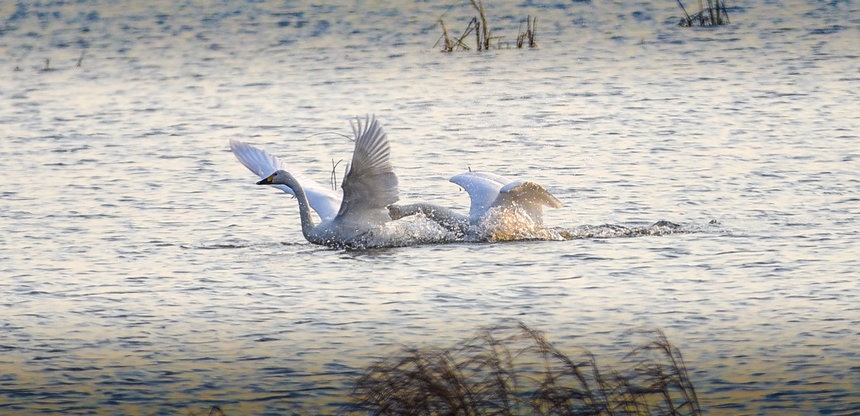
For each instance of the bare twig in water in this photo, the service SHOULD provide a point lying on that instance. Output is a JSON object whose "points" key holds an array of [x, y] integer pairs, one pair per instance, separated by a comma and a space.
{"points": [[448, 46], [531, 27], [532, 33], [472, 26], [513, 369], [714, 15], [478, 33], [686, 15], [334, 173], [722, 5]]}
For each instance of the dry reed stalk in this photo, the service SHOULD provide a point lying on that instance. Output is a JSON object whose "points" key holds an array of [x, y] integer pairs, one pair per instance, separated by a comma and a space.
{"points": [[485, 42], [531, 28], [715, 14], [483, 35], [448, 46]]}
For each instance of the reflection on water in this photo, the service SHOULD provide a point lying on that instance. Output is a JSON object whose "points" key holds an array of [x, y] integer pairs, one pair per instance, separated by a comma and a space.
{"points": [[142, 271]]}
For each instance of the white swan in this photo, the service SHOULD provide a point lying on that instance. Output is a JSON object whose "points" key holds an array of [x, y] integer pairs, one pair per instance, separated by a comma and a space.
{"points": [[501, 209], [323, 200], [489, 191], [369, 186]]}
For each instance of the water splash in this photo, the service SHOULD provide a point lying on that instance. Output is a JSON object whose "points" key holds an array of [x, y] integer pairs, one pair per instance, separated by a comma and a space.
{"points": [[661, 227], [510, 224], [408, 231]]}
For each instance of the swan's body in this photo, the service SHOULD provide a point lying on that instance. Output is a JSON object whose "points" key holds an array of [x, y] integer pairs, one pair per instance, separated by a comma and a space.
{"points": [[500, 209], [369, 186]]}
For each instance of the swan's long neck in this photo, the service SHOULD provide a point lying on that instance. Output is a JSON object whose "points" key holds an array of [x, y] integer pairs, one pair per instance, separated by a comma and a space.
{"points": [[304, 211]]}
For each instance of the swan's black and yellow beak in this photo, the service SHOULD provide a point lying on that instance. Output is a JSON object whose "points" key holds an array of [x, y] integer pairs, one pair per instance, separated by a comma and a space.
{"points": [[267, 181]]}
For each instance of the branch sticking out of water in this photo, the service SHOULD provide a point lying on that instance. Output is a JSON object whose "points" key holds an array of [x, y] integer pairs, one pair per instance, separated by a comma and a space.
{"points": [[531, 29], [713, 15], [513, 369], [448, 45]]}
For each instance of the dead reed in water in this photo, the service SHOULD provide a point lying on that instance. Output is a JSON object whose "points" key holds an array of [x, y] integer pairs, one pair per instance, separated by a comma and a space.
{"points": [[713, 15], [479, 26], [529, 34], [512, 370]]}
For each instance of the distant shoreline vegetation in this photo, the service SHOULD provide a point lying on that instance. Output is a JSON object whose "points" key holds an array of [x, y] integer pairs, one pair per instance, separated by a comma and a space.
{"points": [[483, 36]]}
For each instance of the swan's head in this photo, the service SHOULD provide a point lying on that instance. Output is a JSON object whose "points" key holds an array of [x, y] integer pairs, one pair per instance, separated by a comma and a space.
{"points": [[280, 177]]}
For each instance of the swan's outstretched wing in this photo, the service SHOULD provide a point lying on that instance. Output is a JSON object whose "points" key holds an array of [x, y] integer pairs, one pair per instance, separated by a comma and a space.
{"points": [[323, 200], [528, 196], [483, 189], [488, 190], [370, 184]]}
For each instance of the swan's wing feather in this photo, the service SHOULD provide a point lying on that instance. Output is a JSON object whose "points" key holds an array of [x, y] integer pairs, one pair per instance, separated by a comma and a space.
{"points": [[370, 184], [323, 200], [483, 189], [528, 196], [258, 161]]}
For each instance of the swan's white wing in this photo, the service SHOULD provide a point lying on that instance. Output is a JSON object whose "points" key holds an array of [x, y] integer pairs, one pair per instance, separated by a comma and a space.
{"points": [[528, 196], [370, 184], [323, 200], [483, 189]]}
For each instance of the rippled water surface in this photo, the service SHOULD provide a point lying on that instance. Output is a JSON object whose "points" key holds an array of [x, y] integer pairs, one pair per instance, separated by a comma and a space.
{"points": [[143, 272]]}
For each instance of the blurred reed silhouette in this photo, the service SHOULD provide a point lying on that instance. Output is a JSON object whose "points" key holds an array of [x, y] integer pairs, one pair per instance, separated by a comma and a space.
{"points": [[513, 370]]}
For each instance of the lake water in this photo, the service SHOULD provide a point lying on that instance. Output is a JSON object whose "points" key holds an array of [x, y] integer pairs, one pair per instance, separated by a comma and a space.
{"points": [[143, 272]]}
